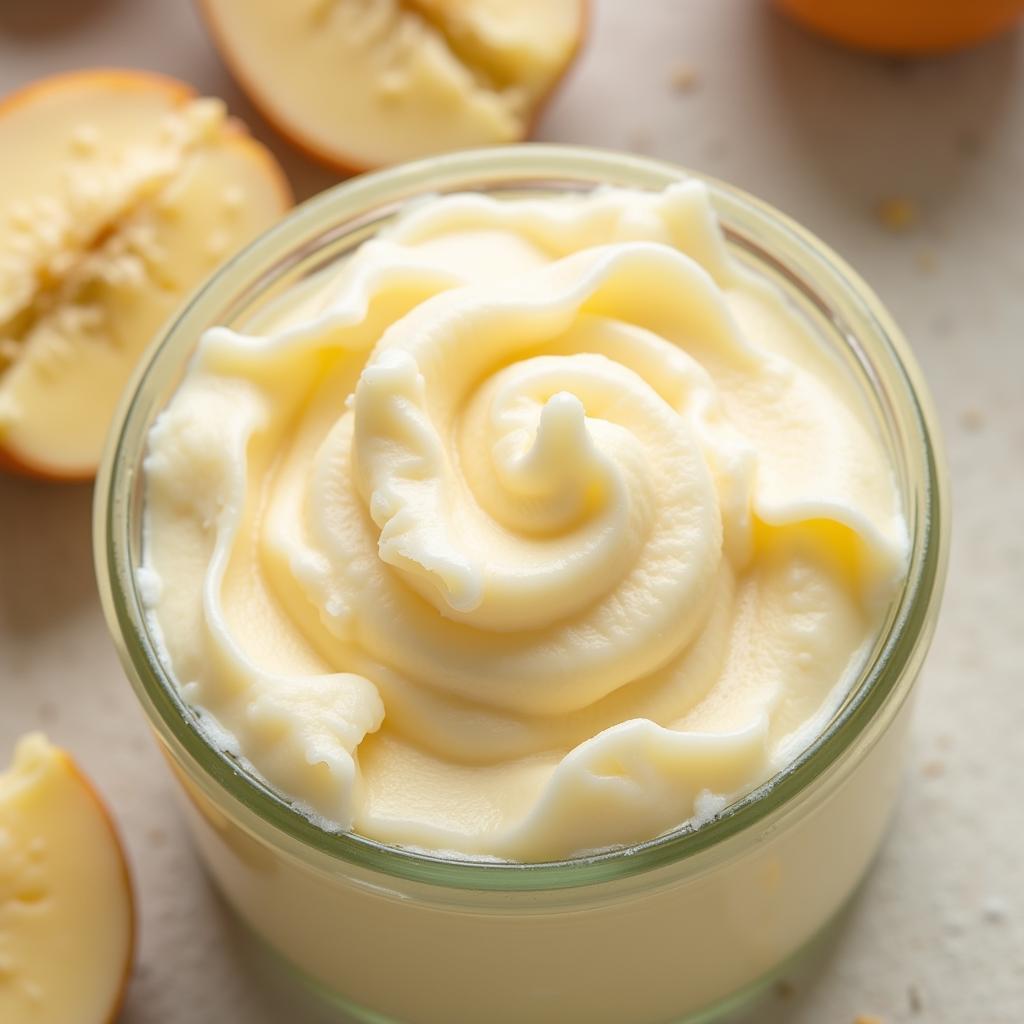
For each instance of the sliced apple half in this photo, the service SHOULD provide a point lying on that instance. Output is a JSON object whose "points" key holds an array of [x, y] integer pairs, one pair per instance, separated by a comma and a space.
{"points": [[66, 911], [119, 192], [362, 83]]}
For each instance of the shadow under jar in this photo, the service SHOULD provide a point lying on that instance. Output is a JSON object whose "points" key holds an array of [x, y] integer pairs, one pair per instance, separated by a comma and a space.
{"points": [[685, 926]]}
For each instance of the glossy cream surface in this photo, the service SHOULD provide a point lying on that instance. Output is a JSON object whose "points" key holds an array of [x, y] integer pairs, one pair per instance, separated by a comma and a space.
{"points": [[534, 527]]}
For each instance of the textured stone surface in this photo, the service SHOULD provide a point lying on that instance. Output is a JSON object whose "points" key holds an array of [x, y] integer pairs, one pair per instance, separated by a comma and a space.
{"points": [[938, 932]]}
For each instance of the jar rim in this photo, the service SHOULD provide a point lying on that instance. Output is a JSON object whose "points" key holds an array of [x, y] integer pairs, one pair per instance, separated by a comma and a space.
{"points": [[841, 295]]}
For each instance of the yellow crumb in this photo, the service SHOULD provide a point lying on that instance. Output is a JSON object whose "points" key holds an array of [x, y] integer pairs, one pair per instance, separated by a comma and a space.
{"points": [[641, 142], [914, 999], [684, 78], [969, 144], [972, 420], [867, 1018], [898, 213]]}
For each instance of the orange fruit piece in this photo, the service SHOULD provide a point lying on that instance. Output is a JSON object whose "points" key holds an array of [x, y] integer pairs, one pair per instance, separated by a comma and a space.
{"points": [[905, 27]]}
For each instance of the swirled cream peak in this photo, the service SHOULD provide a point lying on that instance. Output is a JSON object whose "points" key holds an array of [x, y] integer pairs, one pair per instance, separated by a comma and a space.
{"points": [[535, 527]]}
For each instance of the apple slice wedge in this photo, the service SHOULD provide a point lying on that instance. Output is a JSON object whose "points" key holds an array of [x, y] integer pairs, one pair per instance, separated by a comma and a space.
{"points": [[119, 192], [66, 909], [363, 83]]}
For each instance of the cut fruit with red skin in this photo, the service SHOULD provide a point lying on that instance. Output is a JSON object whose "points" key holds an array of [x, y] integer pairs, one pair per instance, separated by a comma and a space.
{"points": [[66, 906], [364, 83], [120, 192]]}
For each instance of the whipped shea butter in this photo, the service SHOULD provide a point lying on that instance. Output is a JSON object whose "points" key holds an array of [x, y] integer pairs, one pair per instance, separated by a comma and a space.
{"points": [[525, 559], [536, 527]]}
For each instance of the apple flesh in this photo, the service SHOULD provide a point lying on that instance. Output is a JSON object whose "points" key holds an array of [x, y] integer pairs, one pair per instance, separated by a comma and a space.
{"points": [[119, 192], [66, 909], [362, 83]]}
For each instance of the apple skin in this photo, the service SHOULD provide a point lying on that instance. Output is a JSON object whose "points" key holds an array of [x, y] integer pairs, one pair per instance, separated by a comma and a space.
{"points": [[177, 92], [14, 466], [340, 162]]}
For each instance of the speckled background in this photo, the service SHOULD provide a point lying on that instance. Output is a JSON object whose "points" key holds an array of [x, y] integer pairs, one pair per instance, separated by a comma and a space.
{"points": [[937, 934]]}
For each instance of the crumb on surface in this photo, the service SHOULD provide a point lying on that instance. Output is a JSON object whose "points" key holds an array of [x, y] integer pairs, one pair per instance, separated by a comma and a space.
{"points": [[926, 260], [972, 420], [684, 78], [898, 213], [785, 989], [898, 65], [969, 143], [994, 911], [943, 325], [914, 998], [934, 769], [717, 149], [868, 1018], [48, 712], [641, 141]]}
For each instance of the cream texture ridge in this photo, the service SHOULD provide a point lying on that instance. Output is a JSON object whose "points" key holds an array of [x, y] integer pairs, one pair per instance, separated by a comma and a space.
{"points": [[535, 527]]}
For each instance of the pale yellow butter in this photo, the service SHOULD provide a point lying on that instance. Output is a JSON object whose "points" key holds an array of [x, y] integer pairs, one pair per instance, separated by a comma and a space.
{"points": [[537, 527]]}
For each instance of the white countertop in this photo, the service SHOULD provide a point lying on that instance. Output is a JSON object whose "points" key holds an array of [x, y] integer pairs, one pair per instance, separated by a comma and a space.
{"points": [[937, 934]]}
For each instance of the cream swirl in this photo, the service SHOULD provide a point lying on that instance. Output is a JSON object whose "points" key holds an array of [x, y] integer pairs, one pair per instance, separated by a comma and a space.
{"points": [[539, 526]]}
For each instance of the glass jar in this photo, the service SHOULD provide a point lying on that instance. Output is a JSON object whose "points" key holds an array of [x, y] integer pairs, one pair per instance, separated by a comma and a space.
{"points": [[683, 927]]}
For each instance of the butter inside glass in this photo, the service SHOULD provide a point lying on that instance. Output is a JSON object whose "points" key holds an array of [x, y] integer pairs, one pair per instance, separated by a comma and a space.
{"points": [[536, 527]]}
